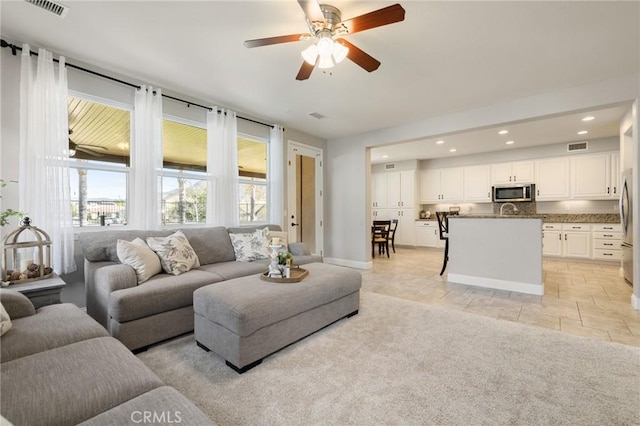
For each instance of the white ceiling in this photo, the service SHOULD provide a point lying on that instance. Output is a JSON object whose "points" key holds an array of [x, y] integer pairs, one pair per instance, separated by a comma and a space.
{"points": [[446, 56]]}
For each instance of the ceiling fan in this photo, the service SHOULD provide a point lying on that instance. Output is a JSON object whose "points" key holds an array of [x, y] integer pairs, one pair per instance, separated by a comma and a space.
{"points": [[327, 29], [87, 149]]}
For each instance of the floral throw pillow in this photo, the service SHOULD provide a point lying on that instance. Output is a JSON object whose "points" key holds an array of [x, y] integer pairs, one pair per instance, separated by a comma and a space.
{"points": [[175, 253], [251, 246]]}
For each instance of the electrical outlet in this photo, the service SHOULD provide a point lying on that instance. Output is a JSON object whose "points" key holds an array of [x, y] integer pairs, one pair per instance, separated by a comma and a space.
{"points": [[615, 207], [567, 207]]}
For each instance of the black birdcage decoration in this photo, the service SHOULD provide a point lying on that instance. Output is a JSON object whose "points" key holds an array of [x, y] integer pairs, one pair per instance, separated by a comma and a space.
{"points": [[26, 254]]}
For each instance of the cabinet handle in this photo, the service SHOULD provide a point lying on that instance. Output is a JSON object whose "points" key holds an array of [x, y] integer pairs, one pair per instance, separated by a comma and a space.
{"points": [[509, 178], [538, 192], [608, 227], [614, 189], [607, 244], [607, 235], [560, 237], [608, 192], [608, 254], [565, 237], [576, 227], [514, 178]]}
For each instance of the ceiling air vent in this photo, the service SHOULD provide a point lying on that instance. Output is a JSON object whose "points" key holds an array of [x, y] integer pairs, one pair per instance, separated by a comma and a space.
{"points": [[390, 166], [577, 146], [56, 8], [317, 115]]}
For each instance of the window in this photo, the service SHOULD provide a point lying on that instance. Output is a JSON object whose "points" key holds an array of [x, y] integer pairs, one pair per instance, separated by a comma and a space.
{"points": [[252, 177], [99, 136], [184, 184]]}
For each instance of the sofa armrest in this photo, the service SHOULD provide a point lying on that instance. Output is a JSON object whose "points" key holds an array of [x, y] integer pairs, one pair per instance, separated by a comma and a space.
{"points": [[107, 280], [299, 249], [16, 304]]}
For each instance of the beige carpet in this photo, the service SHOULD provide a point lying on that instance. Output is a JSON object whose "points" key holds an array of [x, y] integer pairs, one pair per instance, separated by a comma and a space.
{"points": [[400, 362]]}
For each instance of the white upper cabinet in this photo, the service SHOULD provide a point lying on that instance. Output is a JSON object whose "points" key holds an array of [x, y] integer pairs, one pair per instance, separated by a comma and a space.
{"points": [[552, 179], [519, 172], [595, 176], [477, 184], [401, 187], [379, 190], [441, 185]]}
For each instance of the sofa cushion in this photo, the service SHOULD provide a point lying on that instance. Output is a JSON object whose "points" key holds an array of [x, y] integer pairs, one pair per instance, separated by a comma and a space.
{"points": [[51, 327], [251, 245], [159, 294], [140, 257], [163, 405], [230, 270], [5, 321], [175, 253], [73, 383], [102, 245], [212, 244]]}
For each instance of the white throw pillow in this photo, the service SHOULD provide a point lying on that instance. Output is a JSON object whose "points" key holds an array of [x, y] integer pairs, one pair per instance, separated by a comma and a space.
{"points": [[252, 245], [176, 254], [140, 257], [5, 321]]}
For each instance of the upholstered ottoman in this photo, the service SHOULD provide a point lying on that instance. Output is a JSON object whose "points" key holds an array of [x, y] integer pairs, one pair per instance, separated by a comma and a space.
{"points": [[245, 319]]}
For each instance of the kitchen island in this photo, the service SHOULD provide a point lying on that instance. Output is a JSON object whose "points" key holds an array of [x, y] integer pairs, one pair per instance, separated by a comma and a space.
{"points": [[497, 252]]}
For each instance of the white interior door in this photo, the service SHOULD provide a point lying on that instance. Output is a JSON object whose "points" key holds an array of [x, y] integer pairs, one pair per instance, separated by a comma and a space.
{"points": [[304, 195]]}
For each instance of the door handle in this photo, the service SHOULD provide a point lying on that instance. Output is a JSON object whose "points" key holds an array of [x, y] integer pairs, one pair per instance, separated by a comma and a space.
{"points": [[295, 224]]}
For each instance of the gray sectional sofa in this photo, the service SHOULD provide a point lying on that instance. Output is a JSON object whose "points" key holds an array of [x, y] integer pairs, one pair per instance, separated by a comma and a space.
{"points": [[143, 314], [60, 367]]}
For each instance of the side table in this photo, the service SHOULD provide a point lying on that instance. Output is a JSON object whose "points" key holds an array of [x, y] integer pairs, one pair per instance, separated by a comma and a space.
{"points": [[41, 292]]}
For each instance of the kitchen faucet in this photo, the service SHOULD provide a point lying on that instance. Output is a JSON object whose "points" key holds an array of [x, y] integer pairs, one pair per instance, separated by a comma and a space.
{"points": [[515, 209]]}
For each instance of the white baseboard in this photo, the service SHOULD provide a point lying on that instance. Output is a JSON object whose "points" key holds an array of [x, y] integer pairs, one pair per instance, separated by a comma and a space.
{"points": [[496, 284], [348, 263], [635, 302]]}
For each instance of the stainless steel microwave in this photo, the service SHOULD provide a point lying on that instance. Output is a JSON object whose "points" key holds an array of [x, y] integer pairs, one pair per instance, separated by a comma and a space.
{"points": [[514, 192]]}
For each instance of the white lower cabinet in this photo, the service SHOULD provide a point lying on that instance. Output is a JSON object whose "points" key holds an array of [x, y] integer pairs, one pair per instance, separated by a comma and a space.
{"points": [[380, 214], [552, 239], [406, 233], [427, 234], [599, 241], [607, 238]]}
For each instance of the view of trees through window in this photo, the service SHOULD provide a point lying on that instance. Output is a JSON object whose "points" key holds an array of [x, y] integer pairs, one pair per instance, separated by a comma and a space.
{"points": [[99, 141]]}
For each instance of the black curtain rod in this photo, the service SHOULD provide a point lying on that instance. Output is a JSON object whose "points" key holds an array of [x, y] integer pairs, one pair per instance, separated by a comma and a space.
{"points": [[14, 48]]}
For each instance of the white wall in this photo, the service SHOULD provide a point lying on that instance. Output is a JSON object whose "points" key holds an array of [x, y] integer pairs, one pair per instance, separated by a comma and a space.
{"points": [[348, 209]]}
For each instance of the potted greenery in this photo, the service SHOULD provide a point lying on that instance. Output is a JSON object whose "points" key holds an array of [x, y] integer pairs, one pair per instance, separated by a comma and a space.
{"points": [[7, 213]]}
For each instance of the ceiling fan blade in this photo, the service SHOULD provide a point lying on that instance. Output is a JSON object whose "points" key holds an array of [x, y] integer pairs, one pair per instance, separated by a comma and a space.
{"points": [[385, 16], [366, 61], [312, 11], [88, 151], [275, 40], [305, 71]]}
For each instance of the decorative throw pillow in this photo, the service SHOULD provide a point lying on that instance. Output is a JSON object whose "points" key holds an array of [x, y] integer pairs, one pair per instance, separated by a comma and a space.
{"points": [[5, 321], [176, 254], [140, 257], [251, 246]]}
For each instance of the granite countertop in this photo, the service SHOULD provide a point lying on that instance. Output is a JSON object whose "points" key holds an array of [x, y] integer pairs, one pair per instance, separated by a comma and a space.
{"points": [[549, 217]]}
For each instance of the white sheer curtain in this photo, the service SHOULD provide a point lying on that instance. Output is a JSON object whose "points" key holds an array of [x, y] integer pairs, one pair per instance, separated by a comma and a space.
{"points": [[146, 160], [222, 167], [276, 176], [44, 154]]}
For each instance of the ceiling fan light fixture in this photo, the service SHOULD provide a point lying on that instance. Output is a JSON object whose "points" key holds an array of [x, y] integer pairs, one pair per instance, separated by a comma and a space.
{"points": [[310, 54], [325, 62], [340, 52]]}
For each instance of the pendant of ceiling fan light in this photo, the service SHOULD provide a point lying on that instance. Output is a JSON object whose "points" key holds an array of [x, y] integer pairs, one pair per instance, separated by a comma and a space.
{"points": [[325, 62], [310, 54], [340, 52]]}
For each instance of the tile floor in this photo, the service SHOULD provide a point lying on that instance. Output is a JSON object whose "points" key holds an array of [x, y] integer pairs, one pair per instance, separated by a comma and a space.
{"points": [[586, 299]]}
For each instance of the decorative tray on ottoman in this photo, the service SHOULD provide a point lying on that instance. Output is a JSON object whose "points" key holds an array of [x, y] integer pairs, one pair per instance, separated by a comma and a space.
{"points": [[297, 274]]}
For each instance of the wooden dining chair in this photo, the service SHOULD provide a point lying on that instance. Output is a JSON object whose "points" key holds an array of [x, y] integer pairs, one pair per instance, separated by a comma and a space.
{"points": [[392, 234], [380, 236]]}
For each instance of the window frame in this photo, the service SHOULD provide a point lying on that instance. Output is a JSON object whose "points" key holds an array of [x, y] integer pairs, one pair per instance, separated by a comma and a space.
{"points": [[247, 181]]}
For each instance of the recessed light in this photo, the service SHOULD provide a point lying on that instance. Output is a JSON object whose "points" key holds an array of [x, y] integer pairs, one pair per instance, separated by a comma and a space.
{"points": [[503, 132], [509, 142], [452, 150], [588, 118], [385, 156], [582, 132], [440, 142]]}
